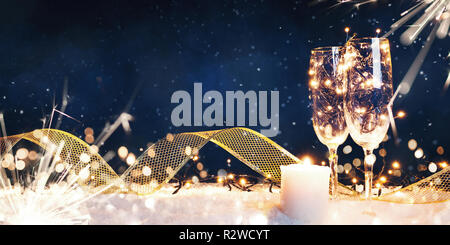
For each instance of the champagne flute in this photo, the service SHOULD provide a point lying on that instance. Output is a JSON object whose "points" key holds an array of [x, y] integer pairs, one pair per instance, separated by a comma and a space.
{"points": [[368, 69], [327, 91]]}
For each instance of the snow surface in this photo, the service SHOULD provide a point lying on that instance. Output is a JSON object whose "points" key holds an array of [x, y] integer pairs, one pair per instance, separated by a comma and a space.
{"points": [[214, 204]]}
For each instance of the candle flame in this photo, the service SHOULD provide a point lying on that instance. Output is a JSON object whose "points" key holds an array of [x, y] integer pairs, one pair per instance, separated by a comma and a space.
{"points": [[307, 160]]}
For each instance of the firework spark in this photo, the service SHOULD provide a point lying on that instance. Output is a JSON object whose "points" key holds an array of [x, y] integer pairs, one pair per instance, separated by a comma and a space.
{"points": [[47, 194], [355, 3], [447, 83], [64, 102], [38, 202], [413, 70], [432, 12], [109, 129]]}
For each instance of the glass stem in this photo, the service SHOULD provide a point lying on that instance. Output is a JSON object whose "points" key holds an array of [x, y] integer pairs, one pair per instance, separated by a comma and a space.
{"points": [[333, 160], [368, 174]]}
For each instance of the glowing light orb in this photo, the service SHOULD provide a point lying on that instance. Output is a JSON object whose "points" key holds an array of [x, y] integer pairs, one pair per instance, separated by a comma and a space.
{"points": [[188, 150], [59, 167], [122, 152], [370, 159], [347, 149], [418, 153], [412, 144], [151, 152], [396, 164], [85, 158], [146, 171], [203, 174], [22, 153], [432, 167], [20, 165], [356, 162], [131, 159]]}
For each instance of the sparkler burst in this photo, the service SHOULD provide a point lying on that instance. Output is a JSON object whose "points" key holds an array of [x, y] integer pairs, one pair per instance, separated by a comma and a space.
{"points": [[50, 193], [39, 199], [45, 206]]}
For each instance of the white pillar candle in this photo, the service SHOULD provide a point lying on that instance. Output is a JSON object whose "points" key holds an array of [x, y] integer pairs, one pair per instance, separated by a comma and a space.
{"points": [[305, 192]]}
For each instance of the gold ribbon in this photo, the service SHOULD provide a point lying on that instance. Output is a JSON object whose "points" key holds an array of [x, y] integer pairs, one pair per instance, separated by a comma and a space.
{"points": [[161, 161]]}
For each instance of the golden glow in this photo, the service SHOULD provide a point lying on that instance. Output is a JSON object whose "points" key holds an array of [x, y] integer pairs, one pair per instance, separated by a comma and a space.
{"points": [[307, 160], [401, 114], [396, 165], [347, 29], [361, 110], [314, 84], [188, 184], [242, 181], [369, 82], [385, 47]]}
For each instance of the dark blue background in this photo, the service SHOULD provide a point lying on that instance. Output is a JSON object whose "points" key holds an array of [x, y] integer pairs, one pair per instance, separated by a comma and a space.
{"points": [[108, 48]]}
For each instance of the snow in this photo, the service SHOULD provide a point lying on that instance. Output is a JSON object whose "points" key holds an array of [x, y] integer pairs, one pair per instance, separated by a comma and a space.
{"points": [[214, 204]]}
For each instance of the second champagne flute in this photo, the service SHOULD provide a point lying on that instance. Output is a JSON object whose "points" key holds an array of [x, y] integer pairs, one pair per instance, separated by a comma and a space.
{"points": [[369, 91]]}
